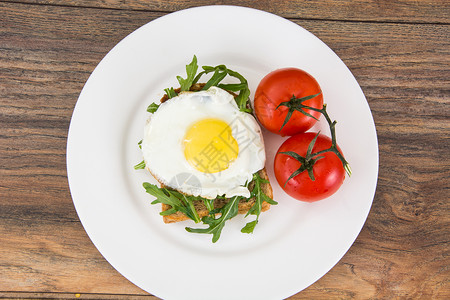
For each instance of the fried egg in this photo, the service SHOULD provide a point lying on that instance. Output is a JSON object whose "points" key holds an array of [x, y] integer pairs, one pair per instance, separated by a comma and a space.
{"points": [[201, 144]]}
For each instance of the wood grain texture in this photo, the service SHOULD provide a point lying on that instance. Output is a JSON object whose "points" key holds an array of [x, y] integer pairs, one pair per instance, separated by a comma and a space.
{"points": [[406, 11], [80, 296], [47, 53]]}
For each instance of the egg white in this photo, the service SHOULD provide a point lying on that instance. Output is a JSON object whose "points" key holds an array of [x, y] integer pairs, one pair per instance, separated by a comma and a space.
{"points": [[162, 145]]}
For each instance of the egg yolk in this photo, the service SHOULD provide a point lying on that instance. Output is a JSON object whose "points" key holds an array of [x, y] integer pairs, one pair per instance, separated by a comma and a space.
{"points": [[209, 146]]}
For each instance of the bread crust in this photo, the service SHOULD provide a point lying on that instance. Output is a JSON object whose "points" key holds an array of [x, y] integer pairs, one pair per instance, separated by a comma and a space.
{"points": [[243, 206]]}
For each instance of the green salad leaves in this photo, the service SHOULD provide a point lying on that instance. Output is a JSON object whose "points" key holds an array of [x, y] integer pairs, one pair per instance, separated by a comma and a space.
{"points": [[218, 74], [217, 217], [259, 196], [178, 201], [216, 225]]}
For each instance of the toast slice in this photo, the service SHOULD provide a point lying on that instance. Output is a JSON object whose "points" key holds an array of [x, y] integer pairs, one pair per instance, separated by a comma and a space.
{"points": [[244, 205]]}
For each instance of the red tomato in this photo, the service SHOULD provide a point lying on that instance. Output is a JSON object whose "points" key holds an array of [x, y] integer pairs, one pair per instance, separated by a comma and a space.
{"points": [[279, 86], [328, 171]]}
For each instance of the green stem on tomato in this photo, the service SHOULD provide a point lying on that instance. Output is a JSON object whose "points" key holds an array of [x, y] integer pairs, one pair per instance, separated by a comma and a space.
{"points": [[308, 161]]}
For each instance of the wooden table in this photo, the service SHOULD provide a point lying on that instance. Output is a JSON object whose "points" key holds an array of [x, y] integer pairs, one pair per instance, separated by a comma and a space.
{"points": [[398, 52]]}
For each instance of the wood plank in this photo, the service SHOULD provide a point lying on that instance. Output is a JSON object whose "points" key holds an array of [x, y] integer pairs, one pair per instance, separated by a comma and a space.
{"points": [[42, 250], [32, 295], [44, 62], [406, 11], [48, 52]]}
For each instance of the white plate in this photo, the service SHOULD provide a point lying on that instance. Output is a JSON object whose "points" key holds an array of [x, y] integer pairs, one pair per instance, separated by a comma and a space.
{"points": [[294, 243]]}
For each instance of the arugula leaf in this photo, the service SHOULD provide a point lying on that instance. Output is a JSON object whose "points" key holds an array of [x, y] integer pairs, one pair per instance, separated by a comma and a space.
{"points": [[176, 200], [188, 202], [243, 98], [217, 77], [249, 227], [191, 71], [170, 92], [140, 165], [220, 72], [233, 87], [209, 203], [227, 212], [152, 107], [259, 197]]}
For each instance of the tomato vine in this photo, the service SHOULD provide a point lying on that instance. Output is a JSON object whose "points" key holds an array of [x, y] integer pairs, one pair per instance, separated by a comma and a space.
{"points": [[307, 162]]}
